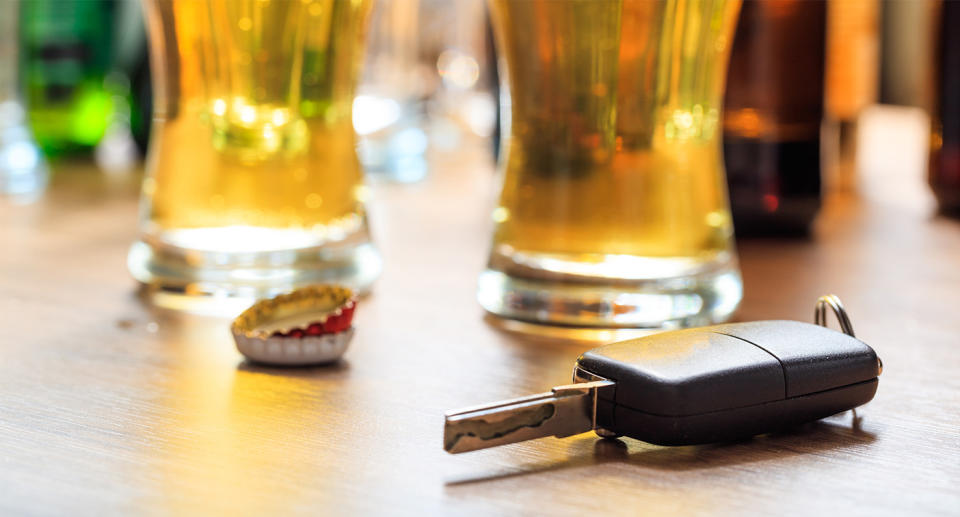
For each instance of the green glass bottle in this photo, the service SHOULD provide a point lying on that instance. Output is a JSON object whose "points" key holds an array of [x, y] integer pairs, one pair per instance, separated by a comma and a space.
{"points": [[65, 62]]}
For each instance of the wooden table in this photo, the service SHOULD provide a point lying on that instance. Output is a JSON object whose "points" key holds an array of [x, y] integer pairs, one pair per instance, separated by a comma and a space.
{"points": [[107, 405]]}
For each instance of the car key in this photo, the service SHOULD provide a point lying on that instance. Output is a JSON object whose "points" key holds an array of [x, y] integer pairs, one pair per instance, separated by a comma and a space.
{"points": [[688, 387]]}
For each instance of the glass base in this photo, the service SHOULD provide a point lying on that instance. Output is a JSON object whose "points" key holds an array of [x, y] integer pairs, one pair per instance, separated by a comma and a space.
{"points": [[706, 296], [226, 279], [587, 336]]}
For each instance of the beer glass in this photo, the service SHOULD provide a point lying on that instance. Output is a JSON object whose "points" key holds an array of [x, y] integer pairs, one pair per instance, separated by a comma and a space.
{"points": [[613, 210], [253, 184]]}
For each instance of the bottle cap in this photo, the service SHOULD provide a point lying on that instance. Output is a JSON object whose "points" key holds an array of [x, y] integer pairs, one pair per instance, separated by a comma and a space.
{"points": [[311, 325]]}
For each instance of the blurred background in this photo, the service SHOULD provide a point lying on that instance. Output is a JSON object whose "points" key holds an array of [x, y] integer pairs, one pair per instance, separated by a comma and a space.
{"points": [[809, 84]]}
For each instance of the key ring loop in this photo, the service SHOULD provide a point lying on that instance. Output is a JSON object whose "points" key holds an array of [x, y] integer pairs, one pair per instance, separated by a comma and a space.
{"points": [[820, 314]]}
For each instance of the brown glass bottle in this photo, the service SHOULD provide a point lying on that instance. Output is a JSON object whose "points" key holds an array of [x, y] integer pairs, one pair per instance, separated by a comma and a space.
{"points": [[772, 116], [945, 138]]}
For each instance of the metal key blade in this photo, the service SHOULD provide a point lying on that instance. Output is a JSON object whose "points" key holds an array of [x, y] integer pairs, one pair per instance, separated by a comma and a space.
{"points": [[563, 411]]}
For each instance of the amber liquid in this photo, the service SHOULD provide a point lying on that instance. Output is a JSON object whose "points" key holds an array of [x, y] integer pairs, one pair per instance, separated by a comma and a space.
{"points": [[253, 184], [614, 142], [256, 128], [612, 167]]}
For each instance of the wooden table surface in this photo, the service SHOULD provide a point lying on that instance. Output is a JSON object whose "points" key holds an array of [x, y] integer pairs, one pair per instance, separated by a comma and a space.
{"points": [[110, 406]]}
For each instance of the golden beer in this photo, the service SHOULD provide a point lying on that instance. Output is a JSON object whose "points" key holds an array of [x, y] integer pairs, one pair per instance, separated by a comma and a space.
{"points": [[253, 180], [613, 210]]}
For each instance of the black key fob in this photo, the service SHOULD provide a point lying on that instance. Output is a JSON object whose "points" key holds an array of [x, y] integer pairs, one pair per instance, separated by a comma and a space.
{"points": [[728, 381]]}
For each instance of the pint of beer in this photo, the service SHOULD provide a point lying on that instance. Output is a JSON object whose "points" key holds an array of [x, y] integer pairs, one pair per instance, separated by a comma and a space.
{"points": [[253, 181], [613, 210]]}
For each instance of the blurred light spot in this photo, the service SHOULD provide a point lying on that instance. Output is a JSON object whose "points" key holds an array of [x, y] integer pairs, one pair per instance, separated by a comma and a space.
{"points": [[116, 152], [683, 120], [21, 155], [361, 193], [481, 114], [314, 200], [248, 114], [410, 141], [771, 202], [219, 107], [744, 122], [457, 69], [501, 214], [717, 219], [371, 114]]}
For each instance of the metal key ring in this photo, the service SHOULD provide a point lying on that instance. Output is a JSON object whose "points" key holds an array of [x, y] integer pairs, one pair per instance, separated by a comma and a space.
{"points": [[820, 317], [820, 314]]}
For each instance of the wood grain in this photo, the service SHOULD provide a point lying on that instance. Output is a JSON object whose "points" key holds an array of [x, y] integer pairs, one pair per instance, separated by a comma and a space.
{"points": [[110, 406]]}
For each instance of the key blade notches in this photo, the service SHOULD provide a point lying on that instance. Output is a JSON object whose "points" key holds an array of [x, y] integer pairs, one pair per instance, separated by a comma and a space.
{"points": [[564, 411]]}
